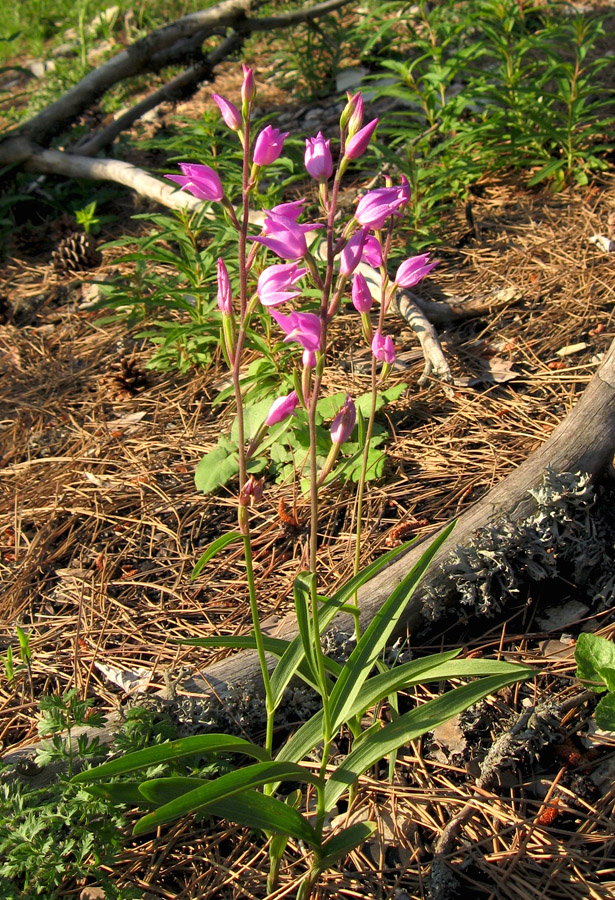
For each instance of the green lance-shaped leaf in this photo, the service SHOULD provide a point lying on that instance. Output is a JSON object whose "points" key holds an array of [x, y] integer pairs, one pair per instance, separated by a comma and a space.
{"points": [[161, 753], [418, 671], [256, 810], [411, 726], [343, 843], [301, 590], [219, 544], [163, 790], [290, 654], [119, 792], [223, 787], [374, 639]]}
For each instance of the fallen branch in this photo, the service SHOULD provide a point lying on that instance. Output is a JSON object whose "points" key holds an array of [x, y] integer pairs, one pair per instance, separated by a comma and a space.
{"points": [[436, 365], [168, 45]]}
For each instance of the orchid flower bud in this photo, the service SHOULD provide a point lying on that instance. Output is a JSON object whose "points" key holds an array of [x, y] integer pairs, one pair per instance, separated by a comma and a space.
{"points": [[350, 256], [282, 408], [230, 113], [362, 299], [383, 349], [318, 160], [202, 181], [357, 145], [268, 145], [248, 90], [309, 359], [349, 109], [225, 297], [344, 422], [412, 270], [356, 119]]}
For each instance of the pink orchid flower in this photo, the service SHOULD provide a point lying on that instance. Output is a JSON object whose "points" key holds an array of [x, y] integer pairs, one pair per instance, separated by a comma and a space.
{"points": [[268, 145], [383, 349], [282, 408], [344, 422], [285, 237], [275, 283], [202, 181], [318, 159], [412, 270], [350, 256], [304, 328], [230, 113]]}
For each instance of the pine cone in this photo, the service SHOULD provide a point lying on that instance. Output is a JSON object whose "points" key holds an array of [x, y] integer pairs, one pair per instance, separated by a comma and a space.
{"points": [[75, 253], [129, 375]]}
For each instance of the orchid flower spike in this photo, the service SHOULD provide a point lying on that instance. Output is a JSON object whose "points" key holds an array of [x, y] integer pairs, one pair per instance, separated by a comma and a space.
{"points": [[304, 328]]}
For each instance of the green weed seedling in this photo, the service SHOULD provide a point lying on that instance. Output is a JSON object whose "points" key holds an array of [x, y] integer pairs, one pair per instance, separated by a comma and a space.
{"points": [[595, 659]]}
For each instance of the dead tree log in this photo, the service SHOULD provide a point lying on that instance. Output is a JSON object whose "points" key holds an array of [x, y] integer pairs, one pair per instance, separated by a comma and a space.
{"points": [[176, 42], [583, 442]]}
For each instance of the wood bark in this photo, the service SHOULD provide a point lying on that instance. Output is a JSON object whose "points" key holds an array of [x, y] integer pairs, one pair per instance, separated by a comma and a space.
{"points": [[583, 442]]}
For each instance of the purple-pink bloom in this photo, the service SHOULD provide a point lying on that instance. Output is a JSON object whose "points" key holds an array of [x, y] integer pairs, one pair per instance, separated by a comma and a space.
{"points": [[202, 181], [372, 252], [362, 299], [275, 283], [284, 237], [291, 210], [357, 145], [375, 207], [268, 145], [304, 328], [412, 270], [350, 256], [382, 348], [247, 88], [309, 359], [404, 192], [344, 422], [282, 408], [230, 113], [225, 296], [318, 160]]}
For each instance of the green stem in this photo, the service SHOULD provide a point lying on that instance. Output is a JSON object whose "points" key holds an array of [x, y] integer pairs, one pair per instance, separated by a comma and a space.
{"points": [[258, 637]]}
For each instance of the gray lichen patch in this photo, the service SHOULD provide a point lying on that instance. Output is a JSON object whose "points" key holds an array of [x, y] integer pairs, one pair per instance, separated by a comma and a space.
{"points": [[562, 534]]}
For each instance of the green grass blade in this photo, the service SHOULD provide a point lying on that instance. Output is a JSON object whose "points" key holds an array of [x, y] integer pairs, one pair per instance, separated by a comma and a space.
{"points": [[163, 790], [343, 843], [161, 753], [411, 726], [256, 810], [373, 640], [119, 792], [219, 544], [221, 788], [302, 592]]}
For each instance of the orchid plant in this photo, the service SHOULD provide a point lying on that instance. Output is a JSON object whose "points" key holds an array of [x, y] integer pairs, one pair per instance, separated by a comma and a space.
{"points": [[347, 692]]}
